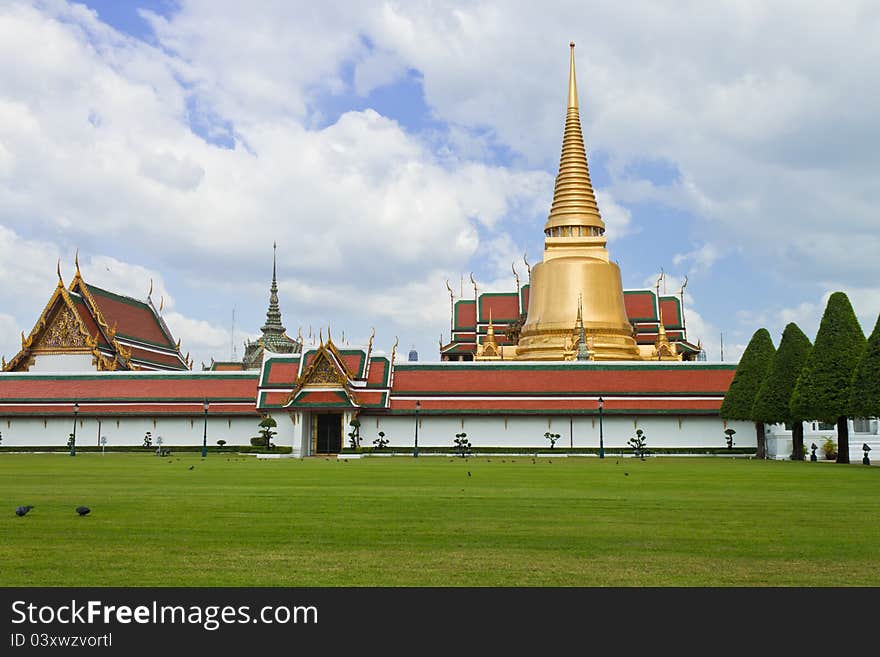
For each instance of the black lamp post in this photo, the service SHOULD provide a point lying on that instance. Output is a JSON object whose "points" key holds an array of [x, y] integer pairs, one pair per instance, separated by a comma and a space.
{"points": [[416, 448], [205, 434], [601, 436], [73, 442]]}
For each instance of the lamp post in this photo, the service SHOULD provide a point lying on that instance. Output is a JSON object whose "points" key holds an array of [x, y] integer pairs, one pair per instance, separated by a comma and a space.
{"points": [[601, 436], [205, 434], [73, 442], [416, 448]]}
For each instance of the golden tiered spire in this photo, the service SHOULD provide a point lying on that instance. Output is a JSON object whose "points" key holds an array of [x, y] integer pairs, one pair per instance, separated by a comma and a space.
{"points": [[575, 266], [574, 202]]}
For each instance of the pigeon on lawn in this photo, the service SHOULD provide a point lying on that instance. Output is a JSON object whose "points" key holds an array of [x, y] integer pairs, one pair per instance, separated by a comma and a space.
{"points": [[23, 510], [83, 510]]}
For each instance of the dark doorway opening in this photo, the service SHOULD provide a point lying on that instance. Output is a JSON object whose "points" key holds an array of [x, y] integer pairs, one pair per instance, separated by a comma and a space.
{"points": [[329, 433]]}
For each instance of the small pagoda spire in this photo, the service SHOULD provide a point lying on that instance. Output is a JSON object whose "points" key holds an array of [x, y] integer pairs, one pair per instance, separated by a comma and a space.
{"points": [[273, 314], [583, 351], [574, 201]]}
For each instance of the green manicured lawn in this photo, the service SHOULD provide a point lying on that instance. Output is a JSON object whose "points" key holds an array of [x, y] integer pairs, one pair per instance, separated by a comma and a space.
{"points": [[236, 521]]}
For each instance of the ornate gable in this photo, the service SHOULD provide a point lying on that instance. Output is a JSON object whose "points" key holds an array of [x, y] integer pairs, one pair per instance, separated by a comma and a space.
{"points": [[64, 332], [326, 370], [59, 329]]}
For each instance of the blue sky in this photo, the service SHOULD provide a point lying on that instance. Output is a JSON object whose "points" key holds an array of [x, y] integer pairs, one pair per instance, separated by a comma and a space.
{"points": [[388, 148]]}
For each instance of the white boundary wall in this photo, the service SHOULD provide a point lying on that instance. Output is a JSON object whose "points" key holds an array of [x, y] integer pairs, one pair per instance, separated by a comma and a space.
{"points": [[779, 444], [434, 431]]}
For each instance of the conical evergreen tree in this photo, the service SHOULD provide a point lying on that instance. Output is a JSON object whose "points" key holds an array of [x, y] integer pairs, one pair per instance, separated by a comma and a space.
{"points": [[823, 388], [865, 396], [750, 374], [772, 403]]}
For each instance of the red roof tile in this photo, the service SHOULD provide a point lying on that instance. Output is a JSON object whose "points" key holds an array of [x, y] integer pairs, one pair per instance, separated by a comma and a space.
{"points": [[562, 379], [639, 305], [134, 319], [504, 307], [127, 386]]}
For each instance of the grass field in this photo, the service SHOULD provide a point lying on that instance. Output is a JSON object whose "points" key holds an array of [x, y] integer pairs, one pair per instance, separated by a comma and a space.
{"points": [[238, 521]]}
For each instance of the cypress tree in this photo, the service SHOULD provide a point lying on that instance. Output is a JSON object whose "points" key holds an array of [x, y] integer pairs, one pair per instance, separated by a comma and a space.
{"points": [[823, 388], [772, 403], [865, 397], [750, 374]]}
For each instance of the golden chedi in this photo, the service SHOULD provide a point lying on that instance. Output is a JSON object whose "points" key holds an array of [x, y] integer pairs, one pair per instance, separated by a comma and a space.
{"points": [[575, 268]]}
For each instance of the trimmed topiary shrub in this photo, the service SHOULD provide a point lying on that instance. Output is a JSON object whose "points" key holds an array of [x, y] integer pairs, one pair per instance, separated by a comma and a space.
{"points": [[773, 401], [750, 374], [865, 395], [824, 387]]}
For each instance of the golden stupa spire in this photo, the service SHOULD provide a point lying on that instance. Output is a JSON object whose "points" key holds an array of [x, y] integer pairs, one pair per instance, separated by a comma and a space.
{"points": [[574, 201]]}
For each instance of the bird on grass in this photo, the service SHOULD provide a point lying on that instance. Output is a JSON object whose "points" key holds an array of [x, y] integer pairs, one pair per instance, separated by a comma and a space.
{"points": [[23, 510], [469, 473], [191, 467], [83, 510], [626, 474]]}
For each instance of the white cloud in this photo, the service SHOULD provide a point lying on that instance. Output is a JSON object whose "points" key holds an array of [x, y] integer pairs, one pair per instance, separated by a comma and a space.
{"points": [[700, 259], [618, 219], [96, 144], [10, 334], [771, 138]]}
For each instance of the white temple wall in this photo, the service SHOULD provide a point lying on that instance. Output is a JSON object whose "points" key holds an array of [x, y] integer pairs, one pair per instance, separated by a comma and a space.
{"points": [[577, 431], [130, 431], [62, 363], [434, 431], [779, 443]]}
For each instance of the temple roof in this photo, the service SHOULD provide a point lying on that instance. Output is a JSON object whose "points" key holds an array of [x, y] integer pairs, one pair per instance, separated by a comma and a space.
{"points": [[120, 332]]}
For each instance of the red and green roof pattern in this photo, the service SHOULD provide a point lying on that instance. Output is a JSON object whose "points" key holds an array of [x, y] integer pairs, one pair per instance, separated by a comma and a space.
{"points": [[441, 388], [641, 309], [127, 393]]}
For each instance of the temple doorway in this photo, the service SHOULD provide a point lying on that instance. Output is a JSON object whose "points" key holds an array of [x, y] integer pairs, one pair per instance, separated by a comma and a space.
{"points": [[329, 433]]}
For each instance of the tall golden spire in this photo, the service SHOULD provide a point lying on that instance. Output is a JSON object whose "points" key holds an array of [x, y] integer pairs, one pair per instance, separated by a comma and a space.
{"points": [[574, 202], [576, 273]]}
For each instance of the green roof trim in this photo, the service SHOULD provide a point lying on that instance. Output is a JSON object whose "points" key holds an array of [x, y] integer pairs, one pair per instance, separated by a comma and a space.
{"points": [[361, 362], [137, 376], [481, 316], [679, 321], [653, 318], [576, 394], [127, 400], [571, 366], [456, 326], [267, 372], [637, 412], [117, 297]]}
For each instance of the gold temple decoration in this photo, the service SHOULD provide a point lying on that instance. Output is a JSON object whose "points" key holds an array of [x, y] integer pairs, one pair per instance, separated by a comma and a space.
{"points": [[575, 265], [488, 349], [394, 349], [451, 309], [327, 369]]}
